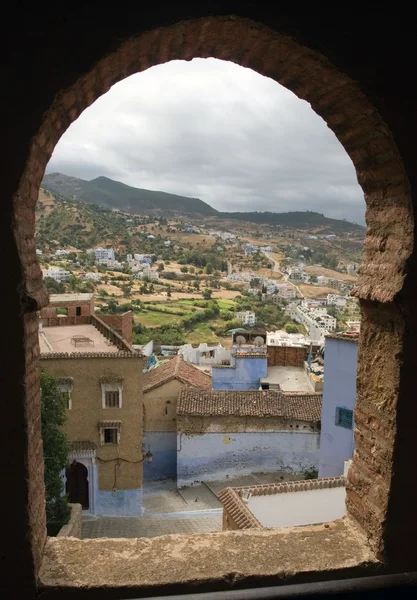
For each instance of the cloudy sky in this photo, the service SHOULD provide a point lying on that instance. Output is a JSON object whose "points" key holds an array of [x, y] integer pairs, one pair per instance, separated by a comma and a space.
{"points": [[213, 130]]}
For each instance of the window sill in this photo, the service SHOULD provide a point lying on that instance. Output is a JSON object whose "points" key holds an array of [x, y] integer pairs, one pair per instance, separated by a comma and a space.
{"points": [[205, 562]]}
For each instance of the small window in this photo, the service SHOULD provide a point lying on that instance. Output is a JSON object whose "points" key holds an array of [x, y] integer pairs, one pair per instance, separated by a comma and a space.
{"points": [[344, 418], [66, 394], [78, 311], [110, 436], [112, 399], [67, 398]]}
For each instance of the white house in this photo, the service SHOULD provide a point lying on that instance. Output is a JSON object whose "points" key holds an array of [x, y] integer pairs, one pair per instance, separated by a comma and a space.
{"points": [[93, 276], [149, 273], [336, 300], [246, 317], [56, 273], [339, 397], [205, 354], [61, 252], [167, 243], [295, 274], [102, 253]]}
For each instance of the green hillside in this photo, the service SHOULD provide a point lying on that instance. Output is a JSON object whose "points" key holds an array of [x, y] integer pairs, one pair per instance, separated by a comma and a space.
{"points": [[116, 195], [105, 192], [295, 220]]}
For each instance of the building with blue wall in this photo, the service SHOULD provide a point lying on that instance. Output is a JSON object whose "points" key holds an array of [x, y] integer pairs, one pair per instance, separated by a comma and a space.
{"points": [[243, 374], [161, 387], [224, 433], [339, 397]]}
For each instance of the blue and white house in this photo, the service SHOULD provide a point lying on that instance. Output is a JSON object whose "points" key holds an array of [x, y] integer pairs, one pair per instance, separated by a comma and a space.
{"points": [[339, 398], [244, 372]]}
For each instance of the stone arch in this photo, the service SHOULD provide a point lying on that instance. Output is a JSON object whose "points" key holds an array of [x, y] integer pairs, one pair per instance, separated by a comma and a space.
{"points": [[389, 241], [309, 75]]}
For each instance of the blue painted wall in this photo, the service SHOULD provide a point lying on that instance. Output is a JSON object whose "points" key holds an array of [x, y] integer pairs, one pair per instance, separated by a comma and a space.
{"points": [[163, 445], [244, 376], [209, 456], [339, 390], [121, 503]]}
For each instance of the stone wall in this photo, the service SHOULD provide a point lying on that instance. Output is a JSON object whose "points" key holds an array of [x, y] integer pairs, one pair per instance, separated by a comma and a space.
{"points": [[122, 324], [86, 307], [74, 526], [232, 424], [371, 108]]}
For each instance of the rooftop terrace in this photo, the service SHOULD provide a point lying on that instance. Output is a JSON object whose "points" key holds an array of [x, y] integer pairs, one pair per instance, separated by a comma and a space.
{"points": [[74, 338], [289, 379]]}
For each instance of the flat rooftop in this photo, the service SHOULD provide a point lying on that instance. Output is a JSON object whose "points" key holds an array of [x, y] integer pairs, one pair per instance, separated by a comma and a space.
{"points": [[299, 508], [82, 297], [290, 379], [74, 338]]}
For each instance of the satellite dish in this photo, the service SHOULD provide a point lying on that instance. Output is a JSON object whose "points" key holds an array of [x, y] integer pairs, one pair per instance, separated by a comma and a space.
{"points": [[258, 341], [240, 340]]}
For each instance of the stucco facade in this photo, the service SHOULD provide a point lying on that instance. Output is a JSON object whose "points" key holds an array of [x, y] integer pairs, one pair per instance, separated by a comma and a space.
{"points": [[243, 375], [219, 447], [115, 471], [160, 430], [339, 392]]}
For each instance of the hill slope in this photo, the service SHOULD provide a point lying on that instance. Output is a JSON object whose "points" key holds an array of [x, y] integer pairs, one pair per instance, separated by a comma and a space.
{"points": [[103, 191], [295, 220], [113, 194]]}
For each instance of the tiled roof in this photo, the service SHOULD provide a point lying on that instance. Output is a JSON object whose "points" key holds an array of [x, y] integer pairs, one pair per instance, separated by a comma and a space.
{"points": [[176, 368], [234, 505], [265, 403]]}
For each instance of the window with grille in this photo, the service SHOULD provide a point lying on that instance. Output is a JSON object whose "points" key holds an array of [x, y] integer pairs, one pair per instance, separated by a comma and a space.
{"points": [[344, 417], [66, 390], [67, 399], [110, 436], [112, 399]]}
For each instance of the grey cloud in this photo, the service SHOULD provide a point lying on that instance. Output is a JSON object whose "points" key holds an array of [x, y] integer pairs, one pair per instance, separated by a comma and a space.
{"points": [[214, 130]]}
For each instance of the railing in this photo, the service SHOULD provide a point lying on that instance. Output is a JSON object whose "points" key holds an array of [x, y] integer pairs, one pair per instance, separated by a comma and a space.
{"points": [[110, 334]]}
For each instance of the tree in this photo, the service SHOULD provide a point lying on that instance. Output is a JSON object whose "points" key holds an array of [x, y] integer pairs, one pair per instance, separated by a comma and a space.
{"points": [[191, 270], [161, 267], [313, 279], [206, 294], [169, 294], [127, 290], [196, 284], [209, 268], [55, 451], [184, 269], [291, 328]]}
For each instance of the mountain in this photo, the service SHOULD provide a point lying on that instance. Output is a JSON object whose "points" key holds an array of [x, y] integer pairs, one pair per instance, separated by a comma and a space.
{"points": [[116, 195], [296, 220]]}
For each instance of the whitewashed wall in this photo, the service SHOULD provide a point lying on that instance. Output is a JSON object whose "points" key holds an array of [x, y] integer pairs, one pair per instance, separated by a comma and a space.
{"points": [[209, 456]]}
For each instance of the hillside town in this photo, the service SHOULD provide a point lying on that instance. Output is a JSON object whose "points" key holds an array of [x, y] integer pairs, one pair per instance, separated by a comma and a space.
{"points": [[194, 387]]}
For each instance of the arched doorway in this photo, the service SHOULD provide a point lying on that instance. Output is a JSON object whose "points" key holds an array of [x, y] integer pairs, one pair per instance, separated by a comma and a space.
{"points": [[77, 484]]}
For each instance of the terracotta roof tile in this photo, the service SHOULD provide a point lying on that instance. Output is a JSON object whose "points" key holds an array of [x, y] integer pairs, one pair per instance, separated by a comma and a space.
{"points": [[176, 368], [265, 403]]}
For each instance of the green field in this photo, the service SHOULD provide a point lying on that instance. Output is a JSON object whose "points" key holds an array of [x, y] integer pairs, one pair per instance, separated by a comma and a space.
{"points": [[151, 318]]}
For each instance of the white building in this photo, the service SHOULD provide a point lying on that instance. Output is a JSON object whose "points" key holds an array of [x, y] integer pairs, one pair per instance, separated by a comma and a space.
{"points": [[167, 243], [336, 300], [282, 338], [61, 252], [246, 317], [93, 276], [331, 282], [205, 354], [316, 323], [149, 273], [103, 253], [296, 274], [56, 273]]}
